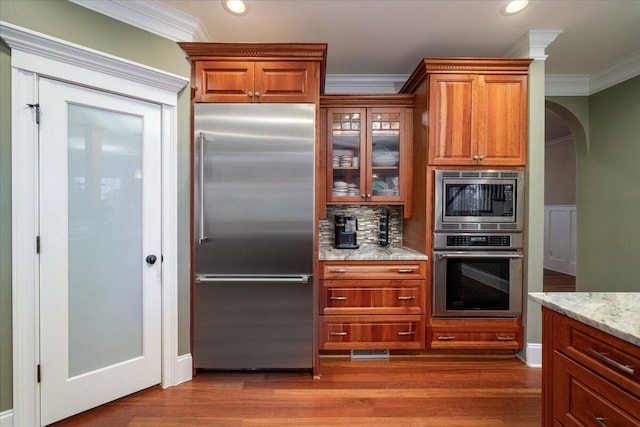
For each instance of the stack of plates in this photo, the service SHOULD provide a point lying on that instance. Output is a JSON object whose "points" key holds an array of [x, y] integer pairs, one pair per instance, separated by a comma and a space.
{"points": [[345, 160], [340, 188], [385, 158], [353, 190], [336, 161]]}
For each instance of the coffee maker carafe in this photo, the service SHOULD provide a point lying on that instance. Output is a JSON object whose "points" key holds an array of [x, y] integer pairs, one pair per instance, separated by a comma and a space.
{"points": [[345, 232]]}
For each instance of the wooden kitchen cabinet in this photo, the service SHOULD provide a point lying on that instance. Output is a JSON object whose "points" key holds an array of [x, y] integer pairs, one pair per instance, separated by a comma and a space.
{"points": [[590, 378], [372, 304], [256, 72], [476, 110], [485, 334], [368, 149]]}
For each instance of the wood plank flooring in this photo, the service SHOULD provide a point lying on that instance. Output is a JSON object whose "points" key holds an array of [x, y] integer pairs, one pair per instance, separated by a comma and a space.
{"points": [[426, 390], [553, 281]]}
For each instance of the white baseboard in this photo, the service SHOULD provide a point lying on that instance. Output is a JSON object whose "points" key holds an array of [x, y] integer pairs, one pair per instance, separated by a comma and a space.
{"points": [[534, 355], [184, 369], [6, 418]]}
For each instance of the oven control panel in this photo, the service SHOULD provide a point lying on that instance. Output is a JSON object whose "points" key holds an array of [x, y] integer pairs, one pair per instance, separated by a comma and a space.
{"points": [[473, 240], [477, 241]]}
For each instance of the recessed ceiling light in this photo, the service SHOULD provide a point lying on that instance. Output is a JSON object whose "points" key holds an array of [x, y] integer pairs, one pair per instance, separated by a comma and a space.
{"points": [[236, 7], [515, 6]]}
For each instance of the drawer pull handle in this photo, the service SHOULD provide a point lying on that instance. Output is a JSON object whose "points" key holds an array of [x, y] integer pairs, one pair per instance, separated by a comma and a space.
{"points": [[338, 270], [407, 270], [602, 356], [505, 338], [446, 337], [338, 334], [338, 298], [405, 333], [598, 420], [404, 298]]}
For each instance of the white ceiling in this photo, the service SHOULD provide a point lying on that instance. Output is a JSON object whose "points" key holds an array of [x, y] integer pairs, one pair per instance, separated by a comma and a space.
{"points": [[599, 43], [376, 37]]}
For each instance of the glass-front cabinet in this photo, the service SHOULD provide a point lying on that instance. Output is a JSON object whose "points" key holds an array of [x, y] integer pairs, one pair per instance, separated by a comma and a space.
{"points": [[367, 155]]}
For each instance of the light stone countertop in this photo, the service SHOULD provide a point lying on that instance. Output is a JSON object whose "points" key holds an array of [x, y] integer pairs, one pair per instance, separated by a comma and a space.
{"points": [[370, 253], [616, 313]]}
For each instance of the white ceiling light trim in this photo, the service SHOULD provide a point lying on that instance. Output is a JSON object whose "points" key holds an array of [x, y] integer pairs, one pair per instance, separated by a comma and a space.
{"points": [[515, 6], [236, 7], [154, 17]]}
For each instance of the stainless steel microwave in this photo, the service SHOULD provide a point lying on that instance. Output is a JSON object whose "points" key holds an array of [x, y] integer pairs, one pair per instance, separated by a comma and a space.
{"points": [[479, 200]]}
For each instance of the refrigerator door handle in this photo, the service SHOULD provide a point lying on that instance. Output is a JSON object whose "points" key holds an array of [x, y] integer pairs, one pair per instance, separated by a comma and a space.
{"points": [[203, 239], [303, 279]]}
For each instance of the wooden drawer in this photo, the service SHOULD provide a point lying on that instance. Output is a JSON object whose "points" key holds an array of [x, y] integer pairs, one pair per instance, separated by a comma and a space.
{"points": [[364, 332], [508, 340], [374, 270], [584, 399], [604, 354], [498, 334], [373, 297]]}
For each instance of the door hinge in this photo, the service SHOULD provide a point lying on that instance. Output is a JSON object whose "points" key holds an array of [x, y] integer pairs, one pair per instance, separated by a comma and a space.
{"points": [[38, 373], [37, 107], [37, 244]]}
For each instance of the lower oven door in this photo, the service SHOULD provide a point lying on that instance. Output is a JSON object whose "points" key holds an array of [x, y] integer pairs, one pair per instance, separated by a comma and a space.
{"points": [[477, 284]]}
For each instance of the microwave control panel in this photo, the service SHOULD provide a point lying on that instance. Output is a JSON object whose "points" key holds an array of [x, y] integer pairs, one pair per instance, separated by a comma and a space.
{"points": [[466, 240]]}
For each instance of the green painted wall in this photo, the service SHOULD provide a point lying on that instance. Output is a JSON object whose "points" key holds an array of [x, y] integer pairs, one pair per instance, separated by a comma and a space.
{"points": [[606, 129], [67, 21], [608, 193]]}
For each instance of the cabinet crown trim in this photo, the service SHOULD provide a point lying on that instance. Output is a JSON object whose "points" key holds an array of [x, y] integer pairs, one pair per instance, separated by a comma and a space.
{"points": [[403, 100], [464, 66], [293, 51]]}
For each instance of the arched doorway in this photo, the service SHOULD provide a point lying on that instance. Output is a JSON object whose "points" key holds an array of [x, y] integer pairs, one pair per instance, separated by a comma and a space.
{"points": [[560, 213]]}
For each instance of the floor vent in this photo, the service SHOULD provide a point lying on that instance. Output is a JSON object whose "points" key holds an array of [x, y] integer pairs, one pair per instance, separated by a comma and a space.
{"points": [[369, 354]]}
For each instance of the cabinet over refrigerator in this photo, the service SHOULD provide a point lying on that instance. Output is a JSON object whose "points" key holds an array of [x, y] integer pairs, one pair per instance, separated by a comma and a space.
{"points": [[253, 236]]}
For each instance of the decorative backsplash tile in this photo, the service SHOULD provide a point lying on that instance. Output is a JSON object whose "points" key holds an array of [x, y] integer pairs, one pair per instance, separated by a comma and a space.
{"points": [[367, 223]]}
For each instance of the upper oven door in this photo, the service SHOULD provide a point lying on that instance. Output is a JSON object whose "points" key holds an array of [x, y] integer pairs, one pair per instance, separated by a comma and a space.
{"points": [[477, 201], [477, 284]]}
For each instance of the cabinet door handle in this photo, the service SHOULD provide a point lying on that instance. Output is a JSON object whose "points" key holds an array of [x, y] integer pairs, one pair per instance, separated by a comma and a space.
{"points": [[405, 333], [338, 334], [407, 270], [602, 356], [446, 337], [257, 94], [480, 157], [338, 298], [250, 94], [404, 298], [598, 420], [475, 157], [338, 270]]}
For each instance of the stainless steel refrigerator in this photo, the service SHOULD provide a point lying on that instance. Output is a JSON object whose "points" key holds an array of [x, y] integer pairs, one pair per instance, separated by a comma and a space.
{"points": [[254, 213]]}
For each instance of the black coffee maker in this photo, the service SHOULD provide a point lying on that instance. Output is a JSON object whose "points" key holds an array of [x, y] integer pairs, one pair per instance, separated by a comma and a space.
{"points": [[345, 232]]}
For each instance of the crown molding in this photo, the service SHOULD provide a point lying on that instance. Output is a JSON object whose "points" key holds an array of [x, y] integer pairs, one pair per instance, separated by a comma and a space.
{"points": [[617, 73], [566, 85], [532, 45], [155, 17], [34, 43]]}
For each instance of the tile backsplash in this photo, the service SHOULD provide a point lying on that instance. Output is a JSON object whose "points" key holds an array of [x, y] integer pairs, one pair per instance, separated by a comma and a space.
{"points": [[367, 223]]}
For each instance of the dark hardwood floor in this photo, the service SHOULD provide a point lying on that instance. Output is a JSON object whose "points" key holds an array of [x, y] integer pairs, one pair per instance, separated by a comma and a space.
{"points": [[426, 390], [553, 281]]}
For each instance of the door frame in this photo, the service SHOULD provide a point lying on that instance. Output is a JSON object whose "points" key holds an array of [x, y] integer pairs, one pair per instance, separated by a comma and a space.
{"points": [[35, 55]]}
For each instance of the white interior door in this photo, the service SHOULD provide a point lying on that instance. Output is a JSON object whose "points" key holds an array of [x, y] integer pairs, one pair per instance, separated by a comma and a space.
{"points": [[100, 227]]}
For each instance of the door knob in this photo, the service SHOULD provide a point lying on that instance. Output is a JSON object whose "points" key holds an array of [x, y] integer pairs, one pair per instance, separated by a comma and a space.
{"points": [[151, 259]]}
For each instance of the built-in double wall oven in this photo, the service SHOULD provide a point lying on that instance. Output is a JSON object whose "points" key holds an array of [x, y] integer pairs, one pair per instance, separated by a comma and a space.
{"points": [[477, 242]]}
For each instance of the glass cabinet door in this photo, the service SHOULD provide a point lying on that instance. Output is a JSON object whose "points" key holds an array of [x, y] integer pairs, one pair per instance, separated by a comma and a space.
{"points": [[385, 138], [345, 180]]}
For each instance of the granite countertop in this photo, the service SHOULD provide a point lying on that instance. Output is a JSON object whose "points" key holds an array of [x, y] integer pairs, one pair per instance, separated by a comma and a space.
{"points": [[370, 253], [616, 313]]}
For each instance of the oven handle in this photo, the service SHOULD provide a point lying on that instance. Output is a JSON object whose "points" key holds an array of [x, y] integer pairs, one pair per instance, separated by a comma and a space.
{"points": [[477, 254]]}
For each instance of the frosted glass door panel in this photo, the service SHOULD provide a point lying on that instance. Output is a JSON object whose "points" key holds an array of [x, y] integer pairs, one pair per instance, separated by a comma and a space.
{"points": [[105, 237]]}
